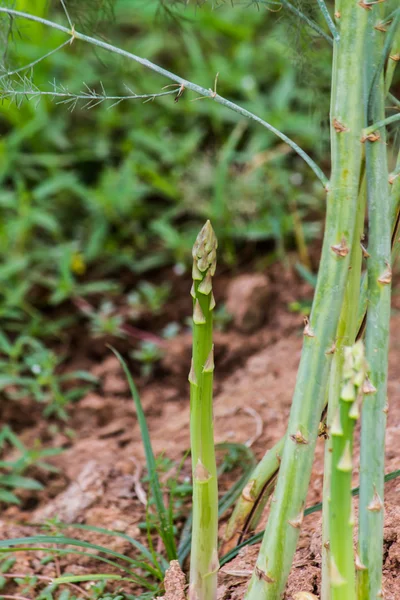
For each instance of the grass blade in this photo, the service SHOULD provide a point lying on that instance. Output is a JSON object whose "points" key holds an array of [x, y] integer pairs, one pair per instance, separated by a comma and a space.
{"points": [[166, 526]]}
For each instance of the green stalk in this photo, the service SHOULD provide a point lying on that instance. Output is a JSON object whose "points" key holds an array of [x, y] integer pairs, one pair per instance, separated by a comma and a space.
{"points": [[341, 519], [264, 475], [260, 484], [374, 410], [204, 552], [346, 336], [281, 535]]}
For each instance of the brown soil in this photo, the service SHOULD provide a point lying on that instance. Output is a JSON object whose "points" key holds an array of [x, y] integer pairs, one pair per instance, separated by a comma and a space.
{"points": [[99, 480]]}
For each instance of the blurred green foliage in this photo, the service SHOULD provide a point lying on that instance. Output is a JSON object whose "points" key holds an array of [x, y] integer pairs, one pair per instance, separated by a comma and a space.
{"points": [[12, 471], [90, 200]]}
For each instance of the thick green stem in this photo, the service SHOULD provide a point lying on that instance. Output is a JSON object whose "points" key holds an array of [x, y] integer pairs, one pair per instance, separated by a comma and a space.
{"points": [[204, 553], [341, 519], [346, 336], [377, 339], [265, 474], [280, 539]]}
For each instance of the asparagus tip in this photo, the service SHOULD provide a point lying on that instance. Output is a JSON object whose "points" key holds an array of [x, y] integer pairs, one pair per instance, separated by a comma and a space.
{"points": [[205, 249], [205, 286]]}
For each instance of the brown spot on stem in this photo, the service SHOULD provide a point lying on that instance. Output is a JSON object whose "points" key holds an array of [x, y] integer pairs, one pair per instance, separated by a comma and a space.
{"points": [[296, 523], [364, 5], [369, 5], [386, 277], [247, 493], [332, 349], [263, 575], [380, 27], [323, 430], [308, 330], [337, 15], [298, 438], [371, 137], [376, 504], [341, 249], [395, 57], [365, 252], [368, 387], [201, 473], [338, 126]]}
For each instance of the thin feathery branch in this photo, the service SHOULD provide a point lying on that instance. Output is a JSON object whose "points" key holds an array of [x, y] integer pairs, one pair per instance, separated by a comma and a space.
{"points": [[27, 90], [183, 83]]}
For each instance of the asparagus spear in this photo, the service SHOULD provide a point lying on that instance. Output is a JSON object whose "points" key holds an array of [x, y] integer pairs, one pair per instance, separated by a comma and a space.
{"points": [[341, 519], [204, 554], [283, 527], [373, 421]]}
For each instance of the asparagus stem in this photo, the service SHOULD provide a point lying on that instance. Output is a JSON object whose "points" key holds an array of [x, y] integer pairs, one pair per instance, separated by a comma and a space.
{"points": [[342, 571], [374, 410], [260, 484], [280, 539], [346, 336], [264, 474], [204, 554]]}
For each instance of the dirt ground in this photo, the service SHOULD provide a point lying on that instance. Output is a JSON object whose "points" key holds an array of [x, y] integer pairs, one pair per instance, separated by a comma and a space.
{"points": [[100, 469]]}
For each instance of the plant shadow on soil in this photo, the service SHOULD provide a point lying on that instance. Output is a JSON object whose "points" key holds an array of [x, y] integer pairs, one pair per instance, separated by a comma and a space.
{"points": [[98, 482]]}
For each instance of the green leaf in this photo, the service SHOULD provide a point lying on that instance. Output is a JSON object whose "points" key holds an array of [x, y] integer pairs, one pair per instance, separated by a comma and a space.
{"points": [[16, 481], [8, 497]]}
